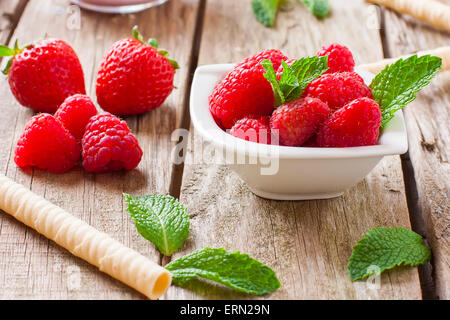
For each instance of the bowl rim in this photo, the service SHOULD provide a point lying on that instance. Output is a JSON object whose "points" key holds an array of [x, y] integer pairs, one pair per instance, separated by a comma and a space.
{"points": [[392, 141]]}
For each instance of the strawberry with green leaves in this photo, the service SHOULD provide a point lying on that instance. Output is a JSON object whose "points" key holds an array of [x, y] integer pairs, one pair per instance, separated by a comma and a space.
{"points": [[244, 92], [134, 76], [42, 75]]}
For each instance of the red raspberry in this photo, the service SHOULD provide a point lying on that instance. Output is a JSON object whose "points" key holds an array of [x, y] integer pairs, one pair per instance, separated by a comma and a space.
{"points": [[244, 92], [356, 124], [340, 58], [74, 114], [296, 121], [255, 130], [46, 144], [109, 145], [44, 74], [338, 89], [276, 56]]}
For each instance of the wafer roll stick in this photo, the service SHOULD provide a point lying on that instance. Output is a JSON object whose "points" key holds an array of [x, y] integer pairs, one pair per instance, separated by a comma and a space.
{"points": [[442, 52], [82, 240], [432, 12]]}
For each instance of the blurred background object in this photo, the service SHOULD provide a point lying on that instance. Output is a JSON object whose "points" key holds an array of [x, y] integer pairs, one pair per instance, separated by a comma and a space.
{"points": [[117, 6]]}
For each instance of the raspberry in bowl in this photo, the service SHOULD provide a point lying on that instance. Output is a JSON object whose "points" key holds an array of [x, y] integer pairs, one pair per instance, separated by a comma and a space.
{"points": [[287, 172], [307, 128]]}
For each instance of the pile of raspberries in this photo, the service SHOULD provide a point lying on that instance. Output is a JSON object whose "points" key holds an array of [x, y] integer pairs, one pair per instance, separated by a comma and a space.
{"points": [[56, 142], [336, 109]]}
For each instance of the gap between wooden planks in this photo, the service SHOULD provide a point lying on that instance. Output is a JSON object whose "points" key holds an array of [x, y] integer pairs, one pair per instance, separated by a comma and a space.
{"points": [[10, 12], [308, 243], [31, 267], [427, 171]]}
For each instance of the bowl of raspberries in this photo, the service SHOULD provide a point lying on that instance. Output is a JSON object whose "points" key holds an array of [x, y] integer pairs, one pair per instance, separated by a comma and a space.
{"points": [[308, 128]]}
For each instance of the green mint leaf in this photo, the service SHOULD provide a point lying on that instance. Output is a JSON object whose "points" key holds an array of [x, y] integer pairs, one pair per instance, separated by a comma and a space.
{"points": [[265, 11], [162, 220], [305, 70], [232, 269], [319, 8], [397, 84], [6, 51], [295, 78], [384, 248], [271, 76]]}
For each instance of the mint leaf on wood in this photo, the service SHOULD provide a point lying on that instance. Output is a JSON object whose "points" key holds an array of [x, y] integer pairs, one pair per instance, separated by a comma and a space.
{"points": [[265, 11], [162, 220], [319, 8], [232, 269], [397, 84], [295, 78], [384, 248]]}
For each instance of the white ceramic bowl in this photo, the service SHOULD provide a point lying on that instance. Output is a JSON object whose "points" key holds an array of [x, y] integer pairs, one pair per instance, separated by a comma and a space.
{"points": [[291, 173]]}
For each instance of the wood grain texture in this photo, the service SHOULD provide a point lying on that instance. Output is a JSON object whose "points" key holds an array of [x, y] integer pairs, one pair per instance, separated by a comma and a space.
{"points": [[307, 243], [428, 125], [10, 12], [30, 265]]}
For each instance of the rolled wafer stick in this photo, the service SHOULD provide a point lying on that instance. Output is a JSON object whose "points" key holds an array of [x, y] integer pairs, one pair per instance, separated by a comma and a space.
{"points": [[432, 12], [82, 240], [442, 52]]}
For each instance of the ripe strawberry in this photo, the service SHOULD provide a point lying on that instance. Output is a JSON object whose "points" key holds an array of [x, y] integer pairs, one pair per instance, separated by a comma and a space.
{"points": [[75, 112], [254, 130], [46, 144], [297, 121], [134, 76], [338, 89], [356, 124], [340, 58], [109, 145], [42, 75], [244, 92]]}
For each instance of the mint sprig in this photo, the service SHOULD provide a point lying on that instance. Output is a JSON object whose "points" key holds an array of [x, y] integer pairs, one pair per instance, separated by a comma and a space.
{"points": [[384, 248], [319, 8], [397, 84], [295, 78], [265, 11], [232, 269], [162, 220]]}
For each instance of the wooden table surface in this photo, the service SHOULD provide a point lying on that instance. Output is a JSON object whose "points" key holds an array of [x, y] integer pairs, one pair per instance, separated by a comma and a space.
{"points": [[307, 243]]}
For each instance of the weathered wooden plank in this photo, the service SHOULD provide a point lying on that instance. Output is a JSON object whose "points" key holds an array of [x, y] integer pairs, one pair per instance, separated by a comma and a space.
{"points": [[31, 266], [10, 12], [307, 243], [428, 124]]}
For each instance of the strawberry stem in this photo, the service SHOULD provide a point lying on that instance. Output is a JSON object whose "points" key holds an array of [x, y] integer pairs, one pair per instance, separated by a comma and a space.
{"points": [[137, 35], [154, 43], [10, 52]]}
